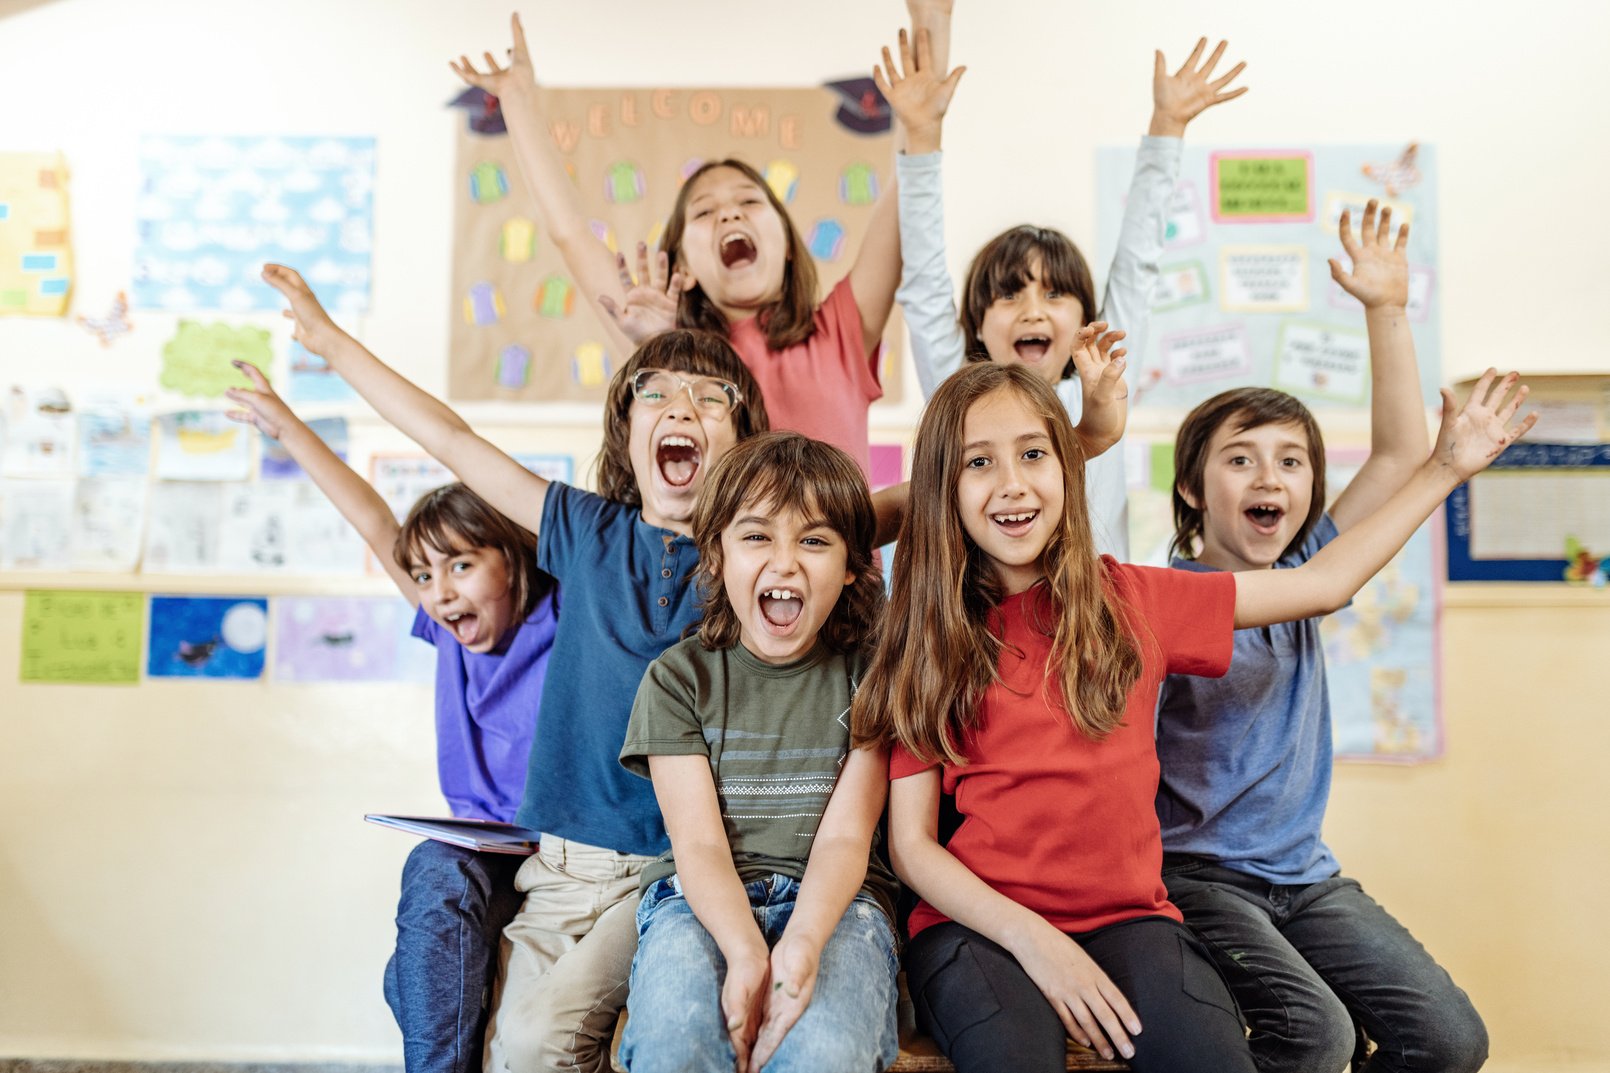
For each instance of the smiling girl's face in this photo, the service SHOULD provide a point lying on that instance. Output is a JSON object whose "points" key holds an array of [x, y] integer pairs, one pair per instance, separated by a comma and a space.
{"points": [[1010, 490], [734, 243], [469, 592]]}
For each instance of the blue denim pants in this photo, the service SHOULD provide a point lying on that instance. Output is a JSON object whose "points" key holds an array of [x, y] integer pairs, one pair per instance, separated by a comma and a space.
{"points": [[450, 918], [1314, 965], [675, 1005]]}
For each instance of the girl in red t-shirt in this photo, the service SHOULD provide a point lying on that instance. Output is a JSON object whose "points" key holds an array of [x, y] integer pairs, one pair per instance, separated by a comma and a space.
{"points": [[1044, 915]]}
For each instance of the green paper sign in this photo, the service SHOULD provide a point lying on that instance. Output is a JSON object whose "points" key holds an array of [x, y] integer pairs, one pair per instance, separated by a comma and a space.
{"points": [[1253, 189], [196, 361], [1162, 475], [82, 636]]}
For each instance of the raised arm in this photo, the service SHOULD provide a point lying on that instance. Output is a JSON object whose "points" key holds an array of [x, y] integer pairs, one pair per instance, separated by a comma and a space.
{"points": [[686, 792], [629, 314], [833, 876], [1398, 441], [353, 496], [1470, 438], [509, 487], [1092, 1008]]}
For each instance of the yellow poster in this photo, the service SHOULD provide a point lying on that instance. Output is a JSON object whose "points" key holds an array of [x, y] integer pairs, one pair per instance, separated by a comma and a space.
{"points": [[36, 262]]}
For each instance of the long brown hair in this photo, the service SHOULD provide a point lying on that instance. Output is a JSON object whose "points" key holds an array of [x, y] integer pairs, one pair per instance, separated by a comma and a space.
{"points": [[937, 655], [785, 471], [1247, 407], [1001, 269], [788, 321], [453, 519], [677, 351]]}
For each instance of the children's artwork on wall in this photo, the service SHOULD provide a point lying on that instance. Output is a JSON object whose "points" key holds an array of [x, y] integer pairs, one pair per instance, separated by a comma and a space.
{"points": [[318, 539], [277, 463], [36, 433], [524, 329], [202, 445], [91, 637], [36, 525], [213, 209], [114, 434], [108, 523], [1245, 296], [207, 637], [114, 325], [183, 530], [312, 380], [197, 360], [401, 479], [348, 639], [36, 258]]}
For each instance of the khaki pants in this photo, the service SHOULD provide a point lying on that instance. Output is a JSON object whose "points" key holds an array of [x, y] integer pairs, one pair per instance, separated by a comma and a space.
{"points": [[565, 960]]}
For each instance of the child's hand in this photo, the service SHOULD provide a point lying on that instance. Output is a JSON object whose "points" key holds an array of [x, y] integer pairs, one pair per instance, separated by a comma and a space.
{"points": [[314, 329], [1180, 97], [918, 8], [496, 80], [651, 300], [743, 1001], [261, 406], [919, 97], [1476, 433], [1380, 276], [793, 982], [1092, 1008], [1106, 396]]}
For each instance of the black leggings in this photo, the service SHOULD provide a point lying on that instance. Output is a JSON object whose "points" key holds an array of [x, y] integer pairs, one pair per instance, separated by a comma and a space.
{"points": [[985, 1013]]}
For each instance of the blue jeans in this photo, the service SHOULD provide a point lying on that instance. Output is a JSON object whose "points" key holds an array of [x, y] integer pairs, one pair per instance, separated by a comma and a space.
{"points": [[454, 905], [1314, 965], [676, 1021]]}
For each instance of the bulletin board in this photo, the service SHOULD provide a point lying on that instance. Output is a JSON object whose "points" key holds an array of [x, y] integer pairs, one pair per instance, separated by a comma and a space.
{"points": [[520, 326], [1540, 512], [1245, 295]]}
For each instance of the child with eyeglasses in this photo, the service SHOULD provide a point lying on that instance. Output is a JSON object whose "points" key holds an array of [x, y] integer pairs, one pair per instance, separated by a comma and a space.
{"points": [[625, 560]]}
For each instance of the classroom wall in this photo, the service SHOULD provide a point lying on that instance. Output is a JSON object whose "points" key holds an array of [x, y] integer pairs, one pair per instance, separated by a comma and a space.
{"points": [[183, 870]]}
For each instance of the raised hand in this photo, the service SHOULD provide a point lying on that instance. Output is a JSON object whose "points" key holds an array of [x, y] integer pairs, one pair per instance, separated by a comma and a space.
{"points": [[1100, 364], [916, 91], [793, 982], [651, 299], [1092, 1008], [260, 406], [1180, 97], [1474, 434], [1380, 275], [314, 329], [498, 80], [743, 1003]]}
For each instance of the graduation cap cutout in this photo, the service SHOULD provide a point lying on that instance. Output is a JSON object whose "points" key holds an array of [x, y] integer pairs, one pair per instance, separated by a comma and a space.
{"points": [[862, 108], [485, 115]]}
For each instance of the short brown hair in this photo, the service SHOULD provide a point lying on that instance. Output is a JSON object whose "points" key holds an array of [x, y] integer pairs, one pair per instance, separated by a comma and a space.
{"points": [[1001, 269], [787, 322], [786, 471], [678, 351], [1247, 407], [454, 519]]}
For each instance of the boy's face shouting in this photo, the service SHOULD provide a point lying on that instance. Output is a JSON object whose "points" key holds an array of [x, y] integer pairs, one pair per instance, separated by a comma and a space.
{"points": [[1257, 486], [783, 572]]}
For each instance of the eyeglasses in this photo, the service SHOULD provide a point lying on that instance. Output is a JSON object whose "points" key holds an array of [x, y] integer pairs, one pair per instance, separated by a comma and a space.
{"points": [[656, 387]]}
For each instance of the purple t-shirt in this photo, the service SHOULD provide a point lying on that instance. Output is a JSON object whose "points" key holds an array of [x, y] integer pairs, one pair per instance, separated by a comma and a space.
{"points": [[486, 712]]}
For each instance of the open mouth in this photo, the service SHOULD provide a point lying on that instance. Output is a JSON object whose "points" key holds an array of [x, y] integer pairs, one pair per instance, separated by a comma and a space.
{"points": [[737, 251], [678, 458], [781, 608], [1015, 524], [1032, 347], [464, 626], [1265, 518]]}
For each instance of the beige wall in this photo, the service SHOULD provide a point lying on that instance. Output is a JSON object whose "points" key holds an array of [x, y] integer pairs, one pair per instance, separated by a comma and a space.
{"points": [[183, 871]]}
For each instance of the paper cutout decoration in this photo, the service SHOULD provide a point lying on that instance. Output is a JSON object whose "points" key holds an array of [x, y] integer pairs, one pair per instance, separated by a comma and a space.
{"points": [[514, 366], [312, 379], [862, 108], [207, 637], [36, 261], [858, 184], [202, 445], [36, 525], [39, 429], [114, 435], [196, 361], [483, 305], [590, 365], [486, 117], [348, 639], [605, 234], [213, 209], [518, 240], [278, 465], [783, 178], [555, 297], [623, 183], [89, 637], [1397, 175], [488, 184], [1582, 567], [826, 240], [112, 327]]}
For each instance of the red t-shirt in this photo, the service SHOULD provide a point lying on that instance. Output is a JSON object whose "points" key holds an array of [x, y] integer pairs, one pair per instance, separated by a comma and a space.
{"points": [[1058, 823], [823, 386]]}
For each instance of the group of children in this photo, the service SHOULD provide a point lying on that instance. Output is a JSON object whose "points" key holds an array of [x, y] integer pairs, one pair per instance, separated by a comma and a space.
{"points": [[1103, 783]]}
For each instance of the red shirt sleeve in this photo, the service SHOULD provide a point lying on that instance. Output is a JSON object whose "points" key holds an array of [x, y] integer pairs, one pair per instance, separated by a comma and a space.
{"points": [[1187, 617], [902, 763], [839, 319]]}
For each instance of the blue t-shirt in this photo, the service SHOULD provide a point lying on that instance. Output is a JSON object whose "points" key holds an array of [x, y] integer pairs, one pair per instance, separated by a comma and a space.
{"points": [[1246, 758], [486, 712], [628, 597]]}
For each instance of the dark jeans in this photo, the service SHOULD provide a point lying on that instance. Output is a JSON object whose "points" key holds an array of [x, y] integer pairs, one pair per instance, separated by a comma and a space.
{"points": [[985, 1012], [454, 905], [1312, 965]]}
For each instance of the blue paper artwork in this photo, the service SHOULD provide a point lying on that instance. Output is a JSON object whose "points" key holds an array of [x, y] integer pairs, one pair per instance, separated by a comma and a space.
{"points": [[277, 463], [312, 379], [212, 210], [207, 637]]}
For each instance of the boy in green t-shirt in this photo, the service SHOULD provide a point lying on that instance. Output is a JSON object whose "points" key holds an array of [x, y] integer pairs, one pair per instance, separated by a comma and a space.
{"points": [[765, 935]]}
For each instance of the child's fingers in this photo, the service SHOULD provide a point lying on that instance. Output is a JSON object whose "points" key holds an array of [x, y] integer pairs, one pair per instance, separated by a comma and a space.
{"points": [[1367, 229], [1228, 77], [1090, 1028], [1383, 230], [677, 284], [1336, 272], [906, 66], [888, 65], [949, 85], [627, 283], [492, 67], [1232, 95], [1478, 394], [643, 274], [1119, 1004], [1523, 428], [1505, 404], [925, 52], [1213, 60], [1190, 61], [1403, 238], [1344, 231], [1159, 66], [1112, 1028]]}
